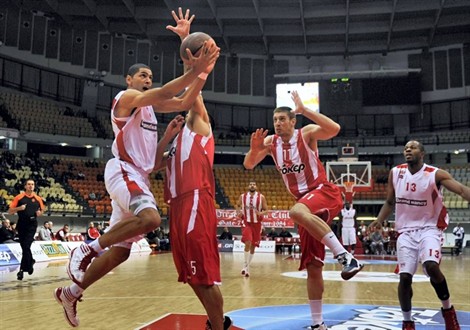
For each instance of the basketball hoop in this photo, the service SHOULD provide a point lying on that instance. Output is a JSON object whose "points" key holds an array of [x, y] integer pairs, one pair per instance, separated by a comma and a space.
{"points": [[348, 186]]}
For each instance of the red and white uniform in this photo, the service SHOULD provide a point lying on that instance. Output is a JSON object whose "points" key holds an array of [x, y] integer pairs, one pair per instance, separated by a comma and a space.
{"points": [[348, 231], [135, 137], [126, 175], [190, 190], [305, 178], [251, 204], [420, 216], [418, 201]]}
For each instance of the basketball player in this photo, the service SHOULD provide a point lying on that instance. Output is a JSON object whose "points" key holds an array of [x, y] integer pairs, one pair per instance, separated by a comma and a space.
{"points": [[190, 192], [295, 153], [126, 175], [348, 230], [252, 207], [414, 190]]}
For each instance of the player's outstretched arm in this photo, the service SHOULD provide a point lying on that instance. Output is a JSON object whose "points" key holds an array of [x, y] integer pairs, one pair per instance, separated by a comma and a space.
{"points": [[445, 178]]}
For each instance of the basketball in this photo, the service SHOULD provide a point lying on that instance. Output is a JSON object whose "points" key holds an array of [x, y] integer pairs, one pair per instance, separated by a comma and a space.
{"points": [[194, 43]]}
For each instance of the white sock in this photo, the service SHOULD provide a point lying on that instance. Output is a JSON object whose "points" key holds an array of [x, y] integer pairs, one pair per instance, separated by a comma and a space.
{"points": [[332, 242], [250, 257], [76, 290], [95, 245], [247, 256], [316, 311], [407, 316]]}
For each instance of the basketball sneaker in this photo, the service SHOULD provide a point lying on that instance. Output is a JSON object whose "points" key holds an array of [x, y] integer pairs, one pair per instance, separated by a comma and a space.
{"points": [[408, 325], [31, 271], [80, 259], [243, 272], [227, 323], [321, 326], [351, 266], [69, 303], [20, 275], [450, 318]]}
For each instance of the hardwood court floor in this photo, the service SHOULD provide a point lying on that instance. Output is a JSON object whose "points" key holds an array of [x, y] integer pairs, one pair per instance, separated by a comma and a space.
{"points": [[145, 288]]}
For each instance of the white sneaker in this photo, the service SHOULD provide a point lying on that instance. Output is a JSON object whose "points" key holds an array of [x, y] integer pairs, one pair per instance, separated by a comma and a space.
{"points": [[247, 272], [319, 327], [351, 266], [69, 303], [80, 259]]}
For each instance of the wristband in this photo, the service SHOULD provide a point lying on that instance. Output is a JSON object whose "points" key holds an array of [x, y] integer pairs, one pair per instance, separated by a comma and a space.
{"points": [[203, 76]]}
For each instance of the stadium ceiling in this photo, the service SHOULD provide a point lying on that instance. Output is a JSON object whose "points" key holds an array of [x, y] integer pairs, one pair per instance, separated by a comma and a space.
{"points": [[276, 27]]}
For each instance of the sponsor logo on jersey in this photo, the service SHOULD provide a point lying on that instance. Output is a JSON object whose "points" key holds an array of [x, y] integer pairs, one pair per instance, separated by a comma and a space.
{"points": [[413, 202], [294, 168], [148, 126]]}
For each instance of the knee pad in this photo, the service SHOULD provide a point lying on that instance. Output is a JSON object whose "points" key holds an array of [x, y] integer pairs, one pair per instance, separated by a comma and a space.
{"points": [[139, 203]]}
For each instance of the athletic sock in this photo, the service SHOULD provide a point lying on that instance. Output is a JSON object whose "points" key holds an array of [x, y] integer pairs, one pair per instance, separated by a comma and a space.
{"points": [[332, 242], [95, 245], [316, 311], [76, 290]]}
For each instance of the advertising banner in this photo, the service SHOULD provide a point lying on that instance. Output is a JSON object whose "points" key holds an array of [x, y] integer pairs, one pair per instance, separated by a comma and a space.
{"points": [[225, 245], [273, 219], [264, 246], [7, 257]]}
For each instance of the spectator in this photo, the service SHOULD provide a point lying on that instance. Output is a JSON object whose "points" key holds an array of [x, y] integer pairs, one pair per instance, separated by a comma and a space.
{"points": [[44, 232], [152, 239], [100, 229], [226, 234], [92, 232], [51, 224], [6, 233], [272, 233], [377, 241], [92, 196], [284, 233], [393, 236], [63, 234]]}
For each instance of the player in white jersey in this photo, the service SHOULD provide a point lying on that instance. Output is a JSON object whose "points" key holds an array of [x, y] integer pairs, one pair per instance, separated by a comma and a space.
{"points": [[414, 190], [252, 206], [348, 227], [295, 153], [126, 175]]}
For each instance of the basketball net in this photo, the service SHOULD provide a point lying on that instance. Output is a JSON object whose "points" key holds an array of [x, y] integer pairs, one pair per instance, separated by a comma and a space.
{"points": [[348, 186]]}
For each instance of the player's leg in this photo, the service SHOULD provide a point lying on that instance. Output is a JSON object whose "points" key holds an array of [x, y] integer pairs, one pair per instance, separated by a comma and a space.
{"points": [[211, 298], [407, 258], [313, 211], [431, 239]]}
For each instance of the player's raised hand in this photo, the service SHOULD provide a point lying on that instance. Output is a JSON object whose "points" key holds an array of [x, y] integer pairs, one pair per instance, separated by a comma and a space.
{"points": [[206, 60], [299, 105], [183, 23], [174, 126], [257, 139]]}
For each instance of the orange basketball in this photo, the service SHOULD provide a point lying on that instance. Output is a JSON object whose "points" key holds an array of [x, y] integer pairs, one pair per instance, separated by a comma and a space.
{"points": [[194, 43]]}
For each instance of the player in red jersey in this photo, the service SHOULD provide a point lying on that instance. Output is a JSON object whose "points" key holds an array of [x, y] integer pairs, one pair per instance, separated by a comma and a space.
{"points": [[252, 206], [190, 192], [295, 153]]}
